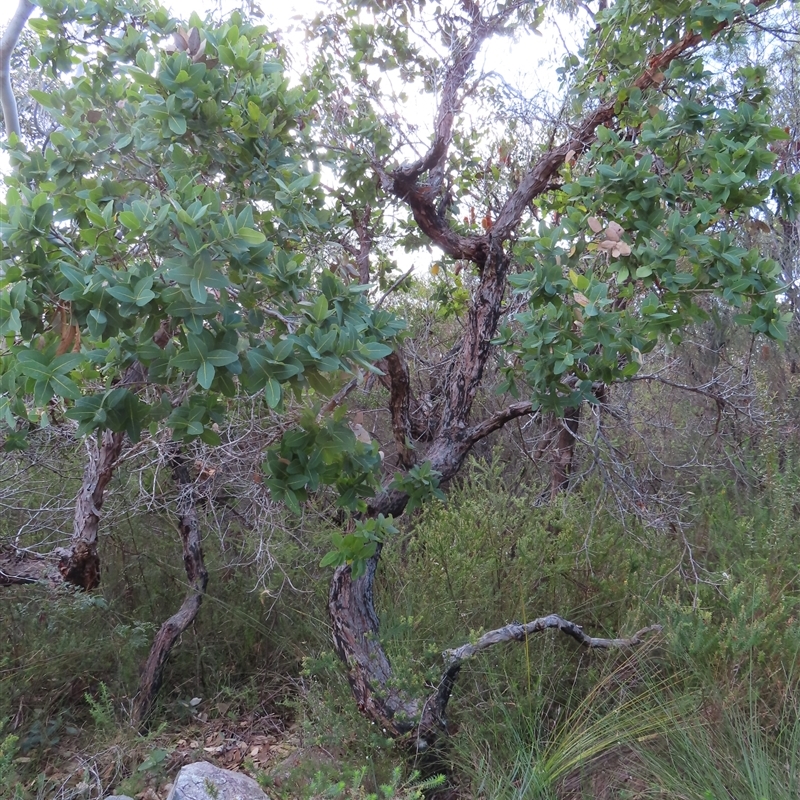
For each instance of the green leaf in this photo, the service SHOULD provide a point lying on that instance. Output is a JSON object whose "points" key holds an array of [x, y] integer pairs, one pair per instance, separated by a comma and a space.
{"points": [[130, 220], [177, 124], [320, 309], [374, 350], [34, 364], [65, 387], [251, 236], [333, 558], [205, 375], [272, 393], [221, 358], [122, 293]]}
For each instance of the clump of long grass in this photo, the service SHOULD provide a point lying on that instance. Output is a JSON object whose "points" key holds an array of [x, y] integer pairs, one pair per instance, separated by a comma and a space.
{"points": [[531, 758], [732, 753]]}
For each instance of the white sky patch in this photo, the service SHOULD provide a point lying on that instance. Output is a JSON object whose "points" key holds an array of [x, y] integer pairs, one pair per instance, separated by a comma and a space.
{"points": [[525, 61]]}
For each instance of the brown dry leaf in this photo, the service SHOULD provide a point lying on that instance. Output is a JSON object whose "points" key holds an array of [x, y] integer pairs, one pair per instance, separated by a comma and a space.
{"points": [[614, 231], [607, 244], [595, 224], [581, 299], [570, 157], [658, 77], [622, 249], [198, 53], [67, 338]]}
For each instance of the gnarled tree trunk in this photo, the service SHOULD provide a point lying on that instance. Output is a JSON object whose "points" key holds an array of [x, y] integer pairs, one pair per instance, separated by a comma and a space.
{"points": [[197, 578], [79, 564]]}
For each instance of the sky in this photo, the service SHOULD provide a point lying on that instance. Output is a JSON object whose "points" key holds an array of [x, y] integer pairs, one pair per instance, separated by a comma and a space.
{"points": [[519, 61], [527, 62]]}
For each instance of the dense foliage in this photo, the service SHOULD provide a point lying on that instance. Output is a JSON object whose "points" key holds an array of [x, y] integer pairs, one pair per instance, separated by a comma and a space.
{"points": [[204, 314]]}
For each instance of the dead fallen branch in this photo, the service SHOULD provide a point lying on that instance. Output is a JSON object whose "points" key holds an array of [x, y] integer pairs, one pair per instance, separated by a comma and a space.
{"points": [[518, 632]]}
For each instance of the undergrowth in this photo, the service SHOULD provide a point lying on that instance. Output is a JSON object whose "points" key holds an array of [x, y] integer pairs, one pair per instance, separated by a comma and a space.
{"points": [[713, 698]]}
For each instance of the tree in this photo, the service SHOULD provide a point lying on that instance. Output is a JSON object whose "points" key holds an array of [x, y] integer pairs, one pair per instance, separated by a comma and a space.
{"points": [[609, 236], [172, 250], [154, 260]]}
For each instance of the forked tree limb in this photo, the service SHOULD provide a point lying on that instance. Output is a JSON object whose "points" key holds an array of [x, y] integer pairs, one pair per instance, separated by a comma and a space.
{"points": [[354, 621], [479, 31], [423, 198]]}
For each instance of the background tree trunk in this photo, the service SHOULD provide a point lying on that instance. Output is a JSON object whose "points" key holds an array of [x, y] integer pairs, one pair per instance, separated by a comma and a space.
{"points": [[8, 42], [563, 453]]}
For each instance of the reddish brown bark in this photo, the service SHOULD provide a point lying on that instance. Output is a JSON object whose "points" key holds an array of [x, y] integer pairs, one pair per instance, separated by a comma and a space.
{"points": [[197, 579], [397, 380]]}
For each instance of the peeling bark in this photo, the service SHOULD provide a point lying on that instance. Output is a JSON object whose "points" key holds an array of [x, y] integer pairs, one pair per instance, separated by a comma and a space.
{"points": [[399, 386], [197, 578], [79, 564], [354, 623]]}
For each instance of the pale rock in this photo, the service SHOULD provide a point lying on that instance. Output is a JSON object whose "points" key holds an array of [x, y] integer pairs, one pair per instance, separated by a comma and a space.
{"points": [[204, 781]]}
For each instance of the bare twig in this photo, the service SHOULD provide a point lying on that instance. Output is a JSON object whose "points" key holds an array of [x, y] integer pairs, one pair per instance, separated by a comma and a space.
{"points": [[394, 286]]}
